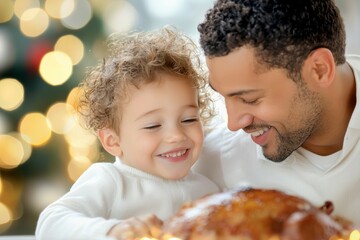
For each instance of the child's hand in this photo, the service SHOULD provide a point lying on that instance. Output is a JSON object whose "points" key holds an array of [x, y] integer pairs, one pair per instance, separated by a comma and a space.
{"points": [[136, 227]]}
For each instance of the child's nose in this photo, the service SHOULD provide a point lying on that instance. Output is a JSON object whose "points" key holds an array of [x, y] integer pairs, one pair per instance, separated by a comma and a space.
{"points": [[176, 134]]}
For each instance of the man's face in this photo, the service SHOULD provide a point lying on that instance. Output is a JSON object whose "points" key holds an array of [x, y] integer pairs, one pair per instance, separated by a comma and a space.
{"points": [[279, 114]]}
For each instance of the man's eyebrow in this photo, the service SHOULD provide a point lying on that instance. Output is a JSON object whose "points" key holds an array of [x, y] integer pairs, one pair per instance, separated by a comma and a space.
{"points": [[237, 93], [242, 92]]}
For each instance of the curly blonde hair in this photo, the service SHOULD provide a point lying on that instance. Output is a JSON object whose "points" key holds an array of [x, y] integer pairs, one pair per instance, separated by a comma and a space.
{"points": [[135, 59]]}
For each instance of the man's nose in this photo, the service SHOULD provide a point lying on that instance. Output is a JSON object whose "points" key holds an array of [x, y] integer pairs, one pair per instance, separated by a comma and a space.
{"points": [[237, 119]]}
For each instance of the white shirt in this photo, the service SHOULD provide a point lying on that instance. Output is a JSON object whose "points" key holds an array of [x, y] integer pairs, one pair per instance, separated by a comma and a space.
{"points": [[107, 193], [232, 158]]}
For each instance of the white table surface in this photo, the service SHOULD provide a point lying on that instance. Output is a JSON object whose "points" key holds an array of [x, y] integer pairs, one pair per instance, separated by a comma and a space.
{"points": [[18, 237]]}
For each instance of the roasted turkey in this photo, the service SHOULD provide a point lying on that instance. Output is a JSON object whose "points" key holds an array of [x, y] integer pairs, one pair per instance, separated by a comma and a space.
{"points": [[255, 214]]}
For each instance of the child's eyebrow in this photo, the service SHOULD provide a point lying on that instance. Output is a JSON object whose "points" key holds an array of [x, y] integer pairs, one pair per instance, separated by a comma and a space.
{"points": [[194, 106], [148, 113]]}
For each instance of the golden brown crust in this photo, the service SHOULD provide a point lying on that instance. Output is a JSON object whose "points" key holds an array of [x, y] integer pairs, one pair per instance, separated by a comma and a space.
{"points": [[253, 214]]}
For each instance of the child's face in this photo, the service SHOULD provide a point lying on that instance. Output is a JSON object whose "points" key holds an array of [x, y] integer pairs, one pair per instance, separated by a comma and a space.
{"points": [[160, 130]]}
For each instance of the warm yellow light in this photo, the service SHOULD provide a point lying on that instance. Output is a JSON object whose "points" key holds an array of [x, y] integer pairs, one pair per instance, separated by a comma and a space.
{"points": [[55, 68], [7, 10], [77, 166], [20, 6], [72, 46], [78, 151], [60, 118], [1, 185], [67, 8], [11, 152], [34, 22], [11, 94], [170, 237], [59, 8], [79, 137], [5, 214], [355, 235], [74, 96], [27, 148], [35, 129], [91, 152]]}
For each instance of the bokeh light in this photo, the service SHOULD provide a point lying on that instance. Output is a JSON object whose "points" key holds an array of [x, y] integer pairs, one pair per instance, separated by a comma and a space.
{"points": [[73, 97], [5, 214], [80, 137], [26, 147], [355, 235], [119, 16], [90, 152], [1, 185], [56, 68], [34, 22], [20, 6], [61, 118], [11, 94], [11, 152], [170, 237], [11, 206], [79, 17], [35, 129], [59, 8], [77, 166], [72, 46], [14, 150], [7, 10]]}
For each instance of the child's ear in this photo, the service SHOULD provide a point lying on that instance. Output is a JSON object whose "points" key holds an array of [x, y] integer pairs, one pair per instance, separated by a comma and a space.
{"points": [[110, 141]]}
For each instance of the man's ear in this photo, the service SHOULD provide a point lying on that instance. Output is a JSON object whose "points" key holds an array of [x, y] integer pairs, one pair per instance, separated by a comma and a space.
{"points": [[110, 141], [320, 67]]}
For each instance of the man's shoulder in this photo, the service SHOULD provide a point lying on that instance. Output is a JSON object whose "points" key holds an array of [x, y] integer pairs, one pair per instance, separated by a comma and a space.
{"points": [[354, 61]]}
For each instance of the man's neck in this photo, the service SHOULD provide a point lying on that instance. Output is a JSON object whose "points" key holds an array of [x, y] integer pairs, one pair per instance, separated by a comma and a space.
{"points": [[339, 105]]}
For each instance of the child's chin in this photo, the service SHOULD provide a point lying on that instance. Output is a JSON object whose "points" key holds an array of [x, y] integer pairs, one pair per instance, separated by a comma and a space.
{"points": [[174, 176]]}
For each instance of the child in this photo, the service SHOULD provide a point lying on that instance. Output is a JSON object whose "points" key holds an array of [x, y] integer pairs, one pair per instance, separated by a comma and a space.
{"points": [[145, 102]]}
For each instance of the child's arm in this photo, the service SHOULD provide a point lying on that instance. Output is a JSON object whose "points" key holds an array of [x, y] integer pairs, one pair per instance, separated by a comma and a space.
{"points": [[146, 226], [84, 210]]}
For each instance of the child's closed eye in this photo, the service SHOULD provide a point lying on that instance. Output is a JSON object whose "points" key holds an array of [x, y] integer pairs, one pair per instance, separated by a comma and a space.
{"points": [[153, 126], [190, 120]]}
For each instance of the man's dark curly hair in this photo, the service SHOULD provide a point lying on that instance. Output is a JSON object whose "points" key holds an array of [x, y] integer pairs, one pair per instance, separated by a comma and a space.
{"points": [[282, 32]]}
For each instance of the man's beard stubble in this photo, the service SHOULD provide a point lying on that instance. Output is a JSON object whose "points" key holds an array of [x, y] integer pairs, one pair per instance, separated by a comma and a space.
{"points": [[309, 119]]}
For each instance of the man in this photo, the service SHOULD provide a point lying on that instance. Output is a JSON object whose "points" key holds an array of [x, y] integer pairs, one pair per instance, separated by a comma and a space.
{"points": [[290, 97]]}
